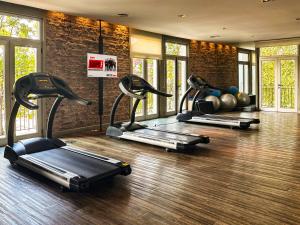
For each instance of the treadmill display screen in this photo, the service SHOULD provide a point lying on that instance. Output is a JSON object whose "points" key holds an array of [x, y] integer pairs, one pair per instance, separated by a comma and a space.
{"points": [[136, 84], [44, 83]]}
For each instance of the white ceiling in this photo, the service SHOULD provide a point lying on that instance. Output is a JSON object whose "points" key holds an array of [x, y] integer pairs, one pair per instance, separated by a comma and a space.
{"points": [[244, 20]]}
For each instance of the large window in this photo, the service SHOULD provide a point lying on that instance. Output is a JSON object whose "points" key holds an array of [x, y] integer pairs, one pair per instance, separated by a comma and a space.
{"points": [[20, 54]]}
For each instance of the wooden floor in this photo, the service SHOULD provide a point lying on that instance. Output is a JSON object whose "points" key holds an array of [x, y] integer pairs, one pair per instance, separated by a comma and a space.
{"points": [[241, 177]]}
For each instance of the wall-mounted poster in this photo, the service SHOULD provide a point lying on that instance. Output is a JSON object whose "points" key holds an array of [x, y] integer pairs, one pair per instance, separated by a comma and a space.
{"points": [[101, 65]]}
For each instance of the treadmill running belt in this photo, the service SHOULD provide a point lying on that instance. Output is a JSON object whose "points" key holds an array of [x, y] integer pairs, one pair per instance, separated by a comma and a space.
{"points": [[85, 166], [188, 139]]}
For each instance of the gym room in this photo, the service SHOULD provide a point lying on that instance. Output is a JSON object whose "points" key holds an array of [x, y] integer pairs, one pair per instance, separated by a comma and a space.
{"points": [[149, 112]]}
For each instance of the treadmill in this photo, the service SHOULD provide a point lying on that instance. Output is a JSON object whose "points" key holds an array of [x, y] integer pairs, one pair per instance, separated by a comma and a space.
{"points": [[73, 168], [137, 88], [201, 109]]}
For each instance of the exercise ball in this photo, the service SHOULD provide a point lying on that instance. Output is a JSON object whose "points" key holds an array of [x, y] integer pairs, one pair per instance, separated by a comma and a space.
{"points": [[214, 92], [215, 101], [228, 102], [242, 99], [233, 90]]}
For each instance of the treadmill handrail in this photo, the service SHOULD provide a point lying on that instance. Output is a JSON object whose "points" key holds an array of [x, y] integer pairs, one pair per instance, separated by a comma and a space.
{"points": [[183, 99]]}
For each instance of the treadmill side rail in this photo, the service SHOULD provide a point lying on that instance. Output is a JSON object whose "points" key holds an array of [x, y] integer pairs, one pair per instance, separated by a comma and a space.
{"points": [[56, 174], [89, 154]]}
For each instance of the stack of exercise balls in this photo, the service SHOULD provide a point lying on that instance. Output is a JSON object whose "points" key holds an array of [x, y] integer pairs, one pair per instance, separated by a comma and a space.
{"points": [[228, 99]]}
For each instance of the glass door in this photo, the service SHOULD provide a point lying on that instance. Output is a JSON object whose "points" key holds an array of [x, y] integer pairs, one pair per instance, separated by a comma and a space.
{"points": [[176, 83], [152, 78], [171, 85], [268, 96], [138, 69], [279, 84], [25, 60], [287, 85], [147, 69]]}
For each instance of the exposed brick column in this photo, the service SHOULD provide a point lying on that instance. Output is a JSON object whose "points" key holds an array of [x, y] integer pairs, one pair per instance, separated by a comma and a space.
{"points": [[68, 40], [216, 63]]}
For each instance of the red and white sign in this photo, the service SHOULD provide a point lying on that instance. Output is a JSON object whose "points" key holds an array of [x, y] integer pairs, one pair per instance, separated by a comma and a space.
{"points": [[101, 65]]}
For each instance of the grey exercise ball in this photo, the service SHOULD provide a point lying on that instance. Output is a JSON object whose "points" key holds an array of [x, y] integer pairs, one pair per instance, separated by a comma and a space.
{"points": [[215, 101], [242, 99], [228, 102]]}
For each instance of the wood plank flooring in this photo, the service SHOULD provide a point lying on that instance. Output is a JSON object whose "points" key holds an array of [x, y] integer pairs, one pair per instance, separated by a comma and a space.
{"points": [[241, 177]]}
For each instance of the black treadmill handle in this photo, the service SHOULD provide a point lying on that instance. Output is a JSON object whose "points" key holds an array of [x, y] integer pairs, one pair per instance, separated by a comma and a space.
{"points": [[21, 92], [81, 101], [161, 93], [198, 82]]}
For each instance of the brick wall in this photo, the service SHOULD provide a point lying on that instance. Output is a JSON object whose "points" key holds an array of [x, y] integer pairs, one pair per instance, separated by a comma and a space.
{"points": [[68, 39], [216, 63]]}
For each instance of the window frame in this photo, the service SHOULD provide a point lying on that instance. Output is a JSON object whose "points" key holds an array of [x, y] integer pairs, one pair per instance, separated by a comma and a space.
{"points": [[250, 72]]}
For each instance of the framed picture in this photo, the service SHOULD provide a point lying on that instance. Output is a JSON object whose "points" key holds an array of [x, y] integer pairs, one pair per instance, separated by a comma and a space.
{"points": [[102, 65]]}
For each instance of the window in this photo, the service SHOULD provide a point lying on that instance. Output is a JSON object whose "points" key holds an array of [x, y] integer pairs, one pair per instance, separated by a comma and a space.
{"points": [[243, 57], [288, 50], [13, 26], [176, 49], [243, 70]]}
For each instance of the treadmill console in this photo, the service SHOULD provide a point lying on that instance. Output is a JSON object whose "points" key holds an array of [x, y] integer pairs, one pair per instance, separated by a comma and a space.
{"points": [[137, 87], [137, 84], [197, 82], [44, 83], [41, 85]]}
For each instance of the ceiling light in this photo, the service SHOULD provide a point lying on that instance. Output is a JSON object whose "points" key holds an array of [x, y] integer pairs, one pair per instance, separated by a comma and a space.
{"points": [[214, 36], [265, 1], [181, 15], [224, 28], [122, 15], [298, 19]]}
